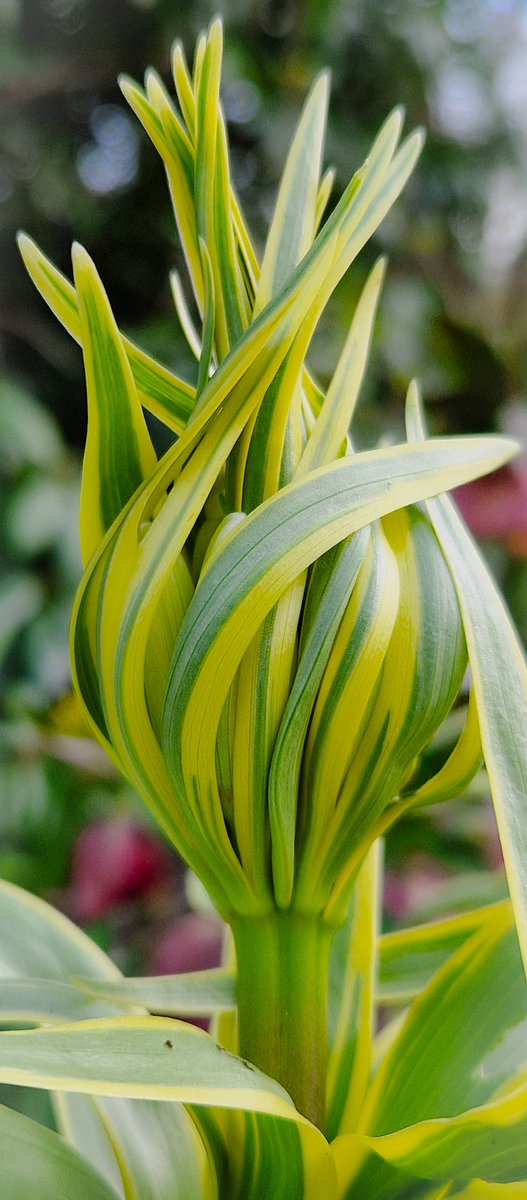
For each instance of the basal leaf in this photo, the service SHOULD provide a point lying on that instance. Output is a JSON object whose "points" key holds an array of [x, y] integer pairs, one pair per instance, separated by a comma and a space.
{"points": [[136, 1057], [33, 1156], [195, 993], [38, 942], [463, 1037], [408, 958]]}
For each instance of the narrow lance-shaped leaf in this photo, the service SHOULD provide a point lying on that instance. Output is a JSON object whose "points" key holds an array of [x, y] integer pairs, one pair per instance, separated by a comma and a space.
{"points": [[499, 680], [335, 418], [44, 1001], [460, 766], [268, 1156], [421, 675], [79, 1123], [162, 392], [177, 155], [292, 228], [119, 453], [455, 1048], [158, 1148]]}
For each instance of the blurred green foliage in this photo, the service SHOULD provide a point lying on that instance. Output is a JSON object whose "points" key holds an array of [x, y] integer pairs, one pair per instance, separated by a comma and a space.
{"points": [[75, 164]]}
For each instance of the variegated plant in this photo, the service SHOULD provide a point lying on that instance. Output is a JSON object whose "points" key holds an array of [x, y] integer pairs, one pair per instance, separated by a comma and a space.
{"points": [[269, 632]]}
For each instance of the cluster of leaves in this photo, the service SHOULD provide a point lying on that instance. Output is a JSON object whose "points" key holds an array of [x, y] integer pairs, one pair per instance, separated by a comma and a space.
{"points": [[58, 103]]}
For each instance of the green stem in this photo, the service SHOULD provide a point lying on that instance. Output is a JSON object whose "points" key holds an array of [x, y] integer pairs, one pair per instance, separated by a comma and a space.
{"points": [[283, 965]]}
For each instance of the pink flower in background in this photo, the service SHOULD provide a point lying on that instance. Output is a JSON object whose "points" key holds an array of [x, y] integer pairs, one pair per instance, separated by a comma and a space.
{"points": [[192, 943], [496, 506], [113, 861]]}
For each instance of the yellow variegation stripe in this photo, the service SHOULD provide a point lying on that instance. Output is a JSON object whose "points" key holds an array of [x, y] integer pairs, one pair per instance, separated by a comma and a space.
{"points": [[461, 765], [183, 85], [350, 1058], [209, 321], [408, 958], [421, 675], [332, 425], [479, 1190], [343, 701], [332, 580], [324, 192]]}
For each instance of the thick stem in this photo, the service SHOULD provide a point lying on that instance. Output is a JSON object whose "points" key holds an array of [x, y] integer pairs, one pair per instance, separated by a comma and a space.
{"points": [[283, 965]]}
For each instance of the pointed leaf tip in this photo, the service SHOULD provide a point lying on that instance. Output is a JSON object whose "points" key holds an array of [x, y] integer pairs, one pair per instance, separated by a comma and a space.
{"points": [[216, 28], [80, 258]]}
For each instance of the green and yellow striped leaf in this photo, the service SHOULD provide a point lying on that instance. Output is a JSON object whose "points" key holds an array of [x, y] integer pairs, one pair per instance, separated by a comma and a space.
{"points": [[454, 1021], [146, 1058], [447, 1102], [292, 228], [192, 994], [488, 1142], [44, 1001], [159, 390], [35, 1157], [408, 958], [352, 1001], [158, 1148], [119, 454], [499, 680], [38, 942]]}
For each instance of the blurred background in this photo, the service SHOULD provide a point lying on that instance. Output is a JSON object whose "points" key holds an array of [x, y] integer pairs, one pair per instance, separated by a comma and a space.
{"points": [[74, 164]]}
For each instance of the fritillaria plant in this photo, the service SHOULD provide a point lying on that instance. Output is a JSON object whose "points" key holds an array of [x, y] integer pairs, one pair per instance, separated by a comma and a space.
{"points": [[270, 629]]}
